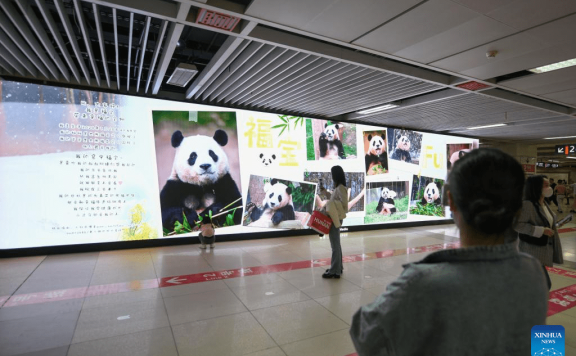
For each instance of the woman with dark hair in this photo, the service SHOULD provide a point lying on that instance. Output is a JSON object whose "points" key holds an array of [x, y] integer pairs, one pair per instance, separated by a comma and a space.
{"points": [[460, 300], [536, 225], [336, 208]]}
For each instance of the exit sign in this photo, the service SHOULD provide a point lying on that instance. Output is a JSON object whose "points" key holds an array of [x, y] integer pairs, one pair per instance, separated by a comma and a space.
{"points": [[217, 20], [565, 149]]}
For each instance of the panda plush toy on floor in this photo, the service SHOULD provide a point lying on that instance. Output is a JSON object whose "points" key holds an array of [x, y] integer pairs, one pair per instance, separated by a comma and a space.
{"points": [[329, 143], [200, 181], [402, 150], [376, 153], [431, 194], [278, 202], [386, 204]]}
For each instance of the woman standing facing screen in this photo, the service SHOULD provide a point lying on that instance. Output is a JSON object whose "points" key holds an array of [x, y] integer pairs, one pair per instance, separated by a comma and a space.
{"points": [[481, 299], [537, 224], [337, 208]]}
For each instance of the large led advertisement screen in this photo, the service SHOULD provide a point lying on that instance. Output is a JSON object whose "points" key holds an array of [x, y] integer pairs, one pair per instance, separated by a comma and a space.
{"points": [[80, 167]]}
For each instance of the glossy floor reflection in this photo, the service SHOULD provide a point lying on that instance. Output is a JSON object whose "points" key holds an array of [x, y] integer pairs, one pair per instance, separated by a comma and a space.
{"points": [[292, 312]]}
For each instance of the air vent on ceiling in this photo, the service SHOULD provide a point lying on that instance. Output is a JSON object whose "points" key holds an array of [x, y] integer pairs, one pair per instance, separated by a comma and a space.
{"points": [[182, 75], [473, 86]]}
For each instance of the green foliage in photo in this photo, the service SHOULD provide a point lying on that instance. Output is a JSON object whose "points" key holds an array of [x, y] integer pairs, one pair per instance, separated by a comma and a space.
{"points": [[428, 210], [309, 141], [287, 121]]}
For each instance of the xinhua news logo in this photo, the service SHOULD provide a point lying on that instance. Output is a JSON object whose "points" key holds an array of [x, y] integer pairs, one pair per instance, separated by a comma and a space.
{"points": [[548, 340]]}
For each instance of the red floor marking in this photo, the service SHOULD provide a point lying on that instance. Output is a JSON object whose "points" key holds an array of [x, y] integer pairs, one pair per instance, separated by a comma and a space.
{"points": [[561, 272], [76, 293], [566, 229], [3, 299], [561, 300]]}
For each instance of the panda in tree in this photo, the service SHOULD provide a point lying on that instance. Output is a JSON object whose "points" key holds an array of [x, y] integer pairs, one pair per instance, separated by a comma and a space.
{"points": [[376, 153], [431, 194], [402, 150], [329, 143], [277, 202], [386, 204], [200, 181]]}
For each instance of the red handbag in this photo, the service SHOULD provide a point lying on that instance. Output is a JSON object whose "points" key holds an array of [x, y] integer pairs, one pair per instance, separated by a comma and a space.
{"points": [[320, 222]]}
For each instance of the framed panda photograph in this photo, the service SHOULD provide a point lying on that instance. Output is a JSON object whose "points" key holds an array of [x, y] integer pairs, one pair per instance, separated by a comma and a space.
{"points": [[354, 182], [198, 169], [404, 145], [278, 203], [375, 152], [330, 140], [426, 197], [455, 151], [387, 201]]}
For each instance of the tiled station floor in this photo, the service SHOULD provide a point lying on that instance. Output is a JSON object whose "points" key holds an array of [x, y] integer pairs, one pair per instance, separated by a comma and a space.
{"points": [[277, 312]]}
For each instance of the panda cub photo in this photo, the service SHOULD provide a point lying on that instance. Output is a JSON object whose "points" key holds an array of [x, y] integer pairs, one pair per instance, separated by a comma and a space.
{"points": [[402, 150], [376, 159], [200, 181], [277, 202], [386, 204], [431, 194], [330, 144]]}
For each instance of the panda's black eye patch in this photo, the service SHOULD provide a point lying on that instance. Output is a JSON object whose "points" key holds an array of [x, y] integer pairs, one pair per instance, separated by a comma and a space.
{"points": [[433, 191], [213, 155], [192, 158], [271, 195], [279, 198]]}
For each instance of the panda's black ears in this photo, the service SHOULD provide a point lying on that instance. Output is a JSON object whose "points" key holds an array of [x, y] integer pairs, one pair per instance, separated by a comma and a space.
{"points": [[369, 137], [221, 137], [261, 155], [337, 126], [177, 138], [273, 156], [325, 125], [383, 136], [274, 181], [288, 190]]}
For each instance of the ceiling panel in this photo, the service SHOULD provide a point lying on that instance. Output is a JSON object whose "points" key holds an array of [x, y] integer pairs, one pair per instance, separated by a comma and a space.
{"points": [[470, 34], [425, 21], [483, 6], [523, 14], [510, 47], [327, 17], [562, 31], [461, 112], [567, 96], [545, 83]]}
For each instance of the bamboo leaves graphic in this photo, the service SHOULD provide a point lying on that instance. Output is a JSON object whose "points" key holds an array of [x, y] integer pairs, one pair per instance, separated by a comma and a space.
{"points": [[287, 121]]}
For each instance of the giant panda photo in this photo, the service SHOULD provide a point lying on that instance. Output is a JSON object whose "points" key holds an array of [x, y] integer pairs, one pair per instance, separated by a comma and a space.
{"points": [[330, 140], [376, 155], [387, 201], [198, 170], [278, 203], [404, 145], [426, 198]]}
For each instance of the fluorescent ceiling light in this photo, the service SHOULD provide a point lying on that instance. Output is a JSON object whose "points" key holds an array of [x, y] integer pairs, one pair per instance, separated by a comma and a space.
{"points": [[485, 127], [557, 138], [377, 108], [554, 66]]}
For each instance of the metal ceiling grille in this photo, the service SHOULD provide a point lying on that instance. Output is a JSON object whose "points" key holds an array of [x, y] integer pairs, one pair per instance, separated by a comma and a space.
{"points": [[86, 44], [462, 111], [264, 77]]}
